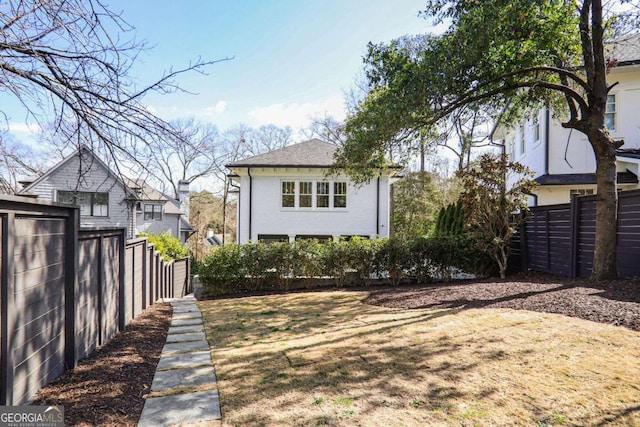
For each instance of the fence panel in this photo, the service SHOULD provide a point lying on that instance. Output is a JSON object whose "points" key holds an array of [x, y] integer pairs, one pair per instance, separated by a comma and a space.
{"points": [[88, 296], [560, 239], [64, 291], [38, 339]]}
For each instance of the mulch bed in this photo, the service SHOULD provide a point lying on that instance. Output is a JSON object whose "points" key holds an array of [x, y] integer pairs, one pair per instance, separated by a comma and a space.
{"points": [[108, 387], [616, 302]]}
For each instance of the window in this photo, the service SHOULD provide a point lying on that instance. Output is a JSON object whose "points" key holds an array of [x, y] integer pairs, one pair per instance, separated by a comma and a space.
{"points": [[288, 194], [322, 194], [521, 137], [536, 130], [512, 149], [580, 192], [339, 194], [610, 113], [314, 195], [153, 212], [306, 194], [91, 204]]}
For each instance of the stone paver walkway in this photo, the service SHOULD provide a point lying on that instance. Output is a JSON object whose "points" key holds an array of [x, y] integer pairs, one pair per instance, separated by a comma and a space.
{"points": [[185, 364]]}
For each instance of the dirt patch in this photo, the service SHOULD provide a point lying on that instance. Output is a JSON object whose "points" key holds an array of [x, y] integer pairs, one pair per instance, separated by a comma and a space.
{"points": [[615, 302], [108, 387]]}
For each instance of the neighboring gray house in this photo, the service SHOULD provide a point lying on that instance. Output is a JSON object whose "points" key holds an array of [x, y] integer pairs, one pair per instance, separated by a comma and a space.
{"points": [[105, 200]]}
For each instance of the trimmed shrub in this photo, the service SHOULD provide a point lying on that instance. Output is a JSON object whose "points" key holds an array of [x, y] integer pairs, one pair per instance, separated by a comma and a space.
{"points": [[169, 246]]}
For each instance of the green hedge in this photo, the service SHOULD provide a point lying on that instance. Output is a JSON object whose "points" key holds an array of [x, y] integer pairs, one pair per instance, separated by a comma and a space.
{"points": [[257, 266]]}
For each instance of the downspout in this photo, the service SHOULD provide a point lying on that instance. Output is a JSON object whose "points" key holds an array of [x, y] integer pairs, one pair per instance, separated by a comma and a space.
{"points": [[378, 205], [546, 141], [239, 212], [250, 197]]}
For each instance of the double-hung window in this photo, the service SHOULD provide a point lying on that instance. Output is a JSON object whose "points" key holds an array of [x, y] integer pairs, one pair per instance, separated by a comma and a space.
{"points": [[339, 194], [288, 194], [91, 204], [536, 130], [322, 194], [610, 113], [306, 194], [153, 212]]}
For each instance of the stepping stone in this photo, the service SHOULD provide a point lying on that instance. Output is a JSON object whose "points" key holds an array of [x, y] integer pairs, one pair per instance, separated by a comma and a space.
{"points": [[182, 310], [184, 360], [181, 409], [201, 375], [187, 315], [185, 329], [186, 322], [192, 336], [178, 347]]}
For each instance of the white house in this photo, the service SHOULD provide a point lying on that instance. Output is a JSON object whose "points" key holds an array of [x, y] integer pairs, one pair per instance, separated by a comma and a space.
{"points": [[562, 160], [287, 194], [108, 200]]}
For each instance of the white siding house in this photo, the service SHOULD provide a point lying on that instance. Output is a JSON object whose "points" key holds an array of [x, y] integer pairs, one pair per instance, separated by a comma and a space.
{"points": [[562, 159], [287, 194], [106, 200]]}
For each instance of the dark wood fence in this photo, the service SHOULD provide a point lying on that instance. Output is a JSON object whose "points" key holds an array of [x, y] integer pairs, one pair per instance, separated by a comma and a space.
{"points": [[559, 239], [65, 290]]}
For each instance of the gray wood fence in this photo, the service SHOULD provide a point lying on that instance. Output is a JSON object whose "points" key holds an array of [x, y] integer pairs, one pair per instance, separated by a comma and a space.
{"points": [[65, 291], [559, 239]]}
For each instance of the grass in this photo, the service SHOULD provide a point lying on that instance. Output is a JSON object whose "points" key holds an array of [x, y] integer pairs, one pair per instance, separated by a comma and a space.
{"points": [[327, 359]]}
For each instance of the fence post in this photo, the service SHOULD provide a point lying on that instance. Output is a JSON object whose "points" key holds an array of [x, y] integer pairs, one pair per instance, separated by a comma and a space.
{"points": [[70, 285], [575, 229], [122, 249], [101, 284], [7, 309], [145, 286]]}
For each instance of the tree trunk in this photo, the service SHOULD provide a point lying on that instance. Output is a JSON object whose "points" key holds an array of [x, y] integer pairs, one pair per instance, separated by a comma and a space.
{"points": [[604, 257]]}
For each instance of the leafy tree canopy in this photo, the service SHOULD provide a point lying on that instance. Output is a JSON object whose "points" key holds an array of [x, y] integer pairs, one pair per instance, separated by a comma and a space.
{"points": [[498, 55]]}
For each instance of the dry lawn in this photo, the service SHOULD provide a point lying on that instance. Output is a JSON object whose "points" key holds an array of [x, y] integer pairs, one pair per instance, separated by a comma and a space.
{"points": [[326, 358]]}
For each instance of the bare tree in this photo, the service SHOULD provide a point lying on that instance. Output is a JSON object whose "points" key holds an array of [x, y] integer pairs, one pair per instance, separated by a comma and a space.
{"points": [[72, 59], [186, 156], [17, 161]]}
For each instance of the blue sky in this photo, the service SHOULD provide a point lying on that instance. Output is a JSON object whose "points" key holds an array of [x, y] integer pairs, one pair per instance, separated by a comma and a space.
{"points": [[292, 58]]}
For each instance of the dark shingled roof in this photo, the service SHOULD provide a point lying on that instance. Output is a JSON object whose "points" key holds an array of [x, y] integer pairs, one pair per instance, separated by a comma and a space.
{"points": [[312, 153], [583, 178], [632, 153], [625, 50]]}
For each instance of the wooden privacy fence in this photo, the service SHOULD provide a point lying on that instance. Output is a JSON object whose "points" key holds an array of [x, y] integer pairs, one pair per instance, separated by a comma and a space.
{"points": [[559, 239], [65, 290]]}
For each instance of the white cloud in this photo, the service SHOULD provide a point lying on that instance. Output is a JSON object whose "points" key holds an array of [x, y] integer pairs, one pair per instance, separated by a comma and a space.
{"points": [[298, 115], [220, 106]]}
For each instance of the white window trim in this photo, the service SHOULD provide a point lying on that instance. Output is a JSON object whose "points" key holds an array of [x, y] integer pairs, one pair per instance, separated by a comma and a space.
{"points": [[616, 101], [314, 196], [536, 126]]}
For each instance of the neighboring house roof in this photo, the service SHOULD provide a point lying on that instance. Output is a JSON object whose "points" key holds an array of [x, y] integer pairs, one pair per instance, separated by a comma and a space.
{"points": [[631, 153], [145, 193], [625, 50], [185, 226], [583, 178], [213, 241], [312, 153], [27, 190]]}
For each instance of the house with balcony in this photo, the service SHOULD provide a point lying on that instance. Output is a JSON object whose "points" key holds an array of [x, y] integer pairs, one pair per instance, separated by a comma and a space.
{"points": [[290, 194], [107, 199], [562, 159]]}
